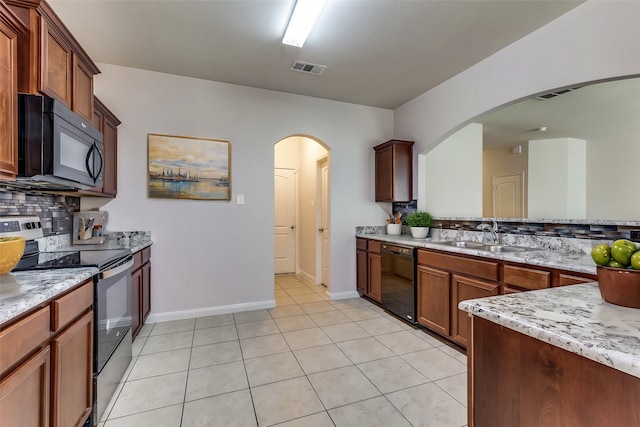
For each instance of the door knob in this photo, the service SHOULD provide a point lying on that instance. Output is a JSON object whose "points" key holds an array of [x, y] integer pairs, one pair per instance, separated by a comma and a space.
{"points": [[292, 227], [321, 229]]}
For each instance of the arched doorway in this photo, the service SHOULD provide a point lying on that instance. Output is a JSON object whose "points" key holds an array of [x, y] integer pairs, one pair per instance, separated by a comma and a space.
{"points": [[301, 208]]}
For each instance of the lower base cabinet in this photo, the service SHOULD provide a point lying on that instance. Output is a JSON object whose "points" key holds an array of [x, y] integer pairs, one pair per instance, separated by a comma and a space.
{"points": [[444, 281], [24, 394], [140, 289], [49, 382], [369, 269], [434, 296], [517, 380], [465, 288], [72, 373]]}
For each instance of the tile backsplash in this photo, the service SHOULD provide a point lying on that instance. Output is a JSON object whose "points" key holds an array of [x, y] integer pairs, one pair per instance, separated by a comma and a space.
{"points": [[55, 211]]}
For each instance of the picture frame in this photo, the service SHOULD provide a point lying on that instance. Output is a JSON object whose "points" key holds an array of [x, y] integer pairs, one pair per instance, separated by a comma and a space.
{"points": [[185, 167]]}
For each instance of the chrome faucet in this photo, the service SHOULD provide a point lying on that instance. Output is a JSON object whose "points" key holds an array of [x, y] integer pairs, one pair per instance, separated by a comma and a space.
{"points": [[492, 229]]}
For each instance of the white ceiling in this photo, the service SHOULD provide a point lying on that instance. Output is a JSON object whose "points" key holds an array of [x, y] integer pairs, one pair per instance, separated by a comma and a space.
{"points": [[380, 53]]}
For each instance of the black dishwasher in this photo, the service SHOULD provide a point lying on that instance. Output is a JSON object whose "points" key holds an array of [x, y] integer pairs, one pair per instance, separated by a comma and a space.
{"points": [[398, 284]]}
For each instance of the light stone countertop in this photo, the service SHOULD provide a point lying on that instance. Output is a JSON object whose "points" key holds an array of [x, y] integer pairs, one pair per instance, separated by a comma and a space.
{"points": [[546, 257], [23, 290], [574, 318]]}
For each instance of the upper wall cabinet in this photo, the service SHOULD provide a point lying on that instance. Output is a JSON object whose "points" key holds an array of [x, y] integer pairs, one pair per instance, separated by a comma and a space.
{"points": [[10, 29], [107, 123], [50, 59], [394, 171]]}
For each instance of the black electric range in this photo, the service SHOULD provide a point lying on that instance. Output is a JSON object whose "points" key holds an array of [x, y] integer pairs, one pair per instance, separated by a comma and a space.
{"points": [[102, 259]]}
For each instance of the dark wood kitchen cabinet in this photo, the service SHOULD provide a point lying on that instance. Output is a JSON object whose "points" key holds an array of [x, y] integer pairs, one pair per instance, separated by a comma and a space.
{"points": [[46, 363], [10, 29], [394, 171], [72, 373], [517, 380], [369, 268], [519, 277], [140, 289], [443, 281], [51, 61], [107, 123]]}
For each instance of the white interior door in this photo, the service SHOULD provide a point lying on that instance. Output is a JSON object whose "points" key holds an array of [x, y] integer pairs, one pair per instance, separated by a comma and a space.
{"points": [[285, 224], [508, 201], [324, 220]]}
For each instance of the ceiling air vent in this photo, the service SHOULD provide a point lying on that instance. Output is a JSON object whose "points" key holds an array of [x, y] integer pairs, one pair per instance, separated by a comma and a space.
{"points": [[550, 95], [306, 67]]}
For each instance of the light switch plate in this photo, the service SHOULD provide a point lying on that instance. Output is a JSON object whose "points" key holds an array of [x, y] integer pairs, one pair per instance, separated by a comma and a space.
{"points": [[240, 199]]}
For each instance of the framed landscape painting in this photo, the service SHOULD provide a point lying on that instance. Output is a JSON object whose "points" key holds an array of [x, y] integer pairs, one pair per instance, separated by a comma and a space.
{"points": [[182, 167]]}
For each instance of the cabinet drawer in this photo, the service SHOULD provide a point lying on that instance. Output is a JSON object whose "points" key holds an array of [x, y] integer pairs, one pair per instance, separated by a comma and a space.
{"points": [[374, 246], [472, 267], [21, 338], [146, 254], [361, 244], [70, 306], [526, 278], [567, 279]]}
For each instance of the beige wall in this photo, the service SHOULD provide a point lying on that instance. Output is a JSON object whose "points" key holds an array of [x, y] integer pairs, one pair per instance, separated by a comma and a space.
{"points": [[502, 162], [453, 175], [613, 195]]}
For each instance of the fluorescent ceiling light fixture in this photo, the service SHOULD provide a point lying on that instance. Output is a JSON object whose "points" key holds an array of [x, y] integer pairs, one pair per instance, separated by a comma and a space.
{"points": [[302, 19]]}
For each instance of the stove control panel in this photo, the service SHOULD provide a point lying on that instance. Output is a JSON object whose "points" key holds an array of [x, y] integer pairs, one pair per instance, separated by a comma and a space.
{"points": [[28, 227]]}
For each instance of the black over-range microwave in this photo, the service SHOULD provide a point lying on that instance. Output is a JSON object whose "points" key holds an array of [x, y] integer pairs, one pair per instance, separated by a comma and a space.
{"points": [[57, 149]]}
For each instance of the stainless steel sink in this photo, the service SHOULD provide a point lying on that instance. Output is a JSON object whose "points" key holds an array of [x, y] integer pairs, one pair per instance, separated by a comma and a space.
{"points": [[502, 248], [461, 244], [486, 247]]}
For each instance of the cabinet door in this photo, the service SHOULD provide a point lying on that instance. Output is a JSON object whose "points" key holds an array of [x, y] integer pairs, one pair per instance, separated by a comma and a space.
{"points": [[72, 398], [8, 99], [146, 291], [384, 175], [434, 299], [110, 171], [464, 288], [361, 271], [82, 102], [55, 64], [375, 277], [24, 394], [136, 290]]}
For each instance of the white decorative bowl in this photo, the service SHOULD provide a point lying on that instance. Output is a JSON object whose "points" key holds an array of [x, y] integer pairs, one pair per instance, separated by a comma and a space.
{"points": [[394, 229], [419, 232]]}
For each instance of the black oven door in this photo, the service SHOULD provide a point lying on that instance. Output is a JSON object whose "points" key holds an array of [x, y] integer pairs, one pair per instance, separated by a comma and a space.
{"points": [[112, 309]]}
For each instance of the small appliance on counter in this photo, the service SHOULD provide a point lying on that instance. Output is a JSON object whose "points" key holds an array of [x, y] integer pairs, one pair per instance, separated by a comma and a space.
{"points": [[89, 227]]}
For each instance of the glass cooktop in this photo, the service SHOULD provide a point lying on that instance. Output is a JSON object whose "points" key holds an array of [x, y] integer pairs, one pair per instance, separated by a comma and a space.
{"points": [[71, 259]]}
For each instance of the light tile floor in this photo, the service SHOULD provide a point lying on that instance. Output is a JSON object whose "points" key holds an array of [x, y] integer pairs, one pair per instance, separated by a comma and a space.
{"points": [[307, 362]]}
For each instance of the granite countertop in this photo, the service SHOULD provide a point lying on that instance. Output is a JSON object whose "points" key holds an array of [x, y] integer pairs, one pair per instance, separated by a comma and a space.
{"points": [[23, 290], [574, 318], [553, 258]]}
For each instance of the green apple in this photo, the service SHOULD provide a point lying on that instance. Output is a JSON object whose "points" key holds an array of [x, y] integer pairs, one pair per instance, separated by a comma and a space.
{"points": [[635, 260], [621, 251], [601, 254], [615, 264]]}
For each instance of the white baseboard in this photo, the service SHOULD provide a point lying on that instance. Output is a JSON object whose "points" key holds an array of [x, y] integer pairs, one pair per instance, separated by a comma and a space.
{"points": [[343, 295], [308, 276], [209, 311]]}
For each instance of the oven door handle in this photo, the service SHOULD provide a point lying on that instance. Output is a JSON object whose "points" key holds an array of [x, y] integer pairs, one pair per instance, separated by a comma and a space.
{"points": [[117, 270]]}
